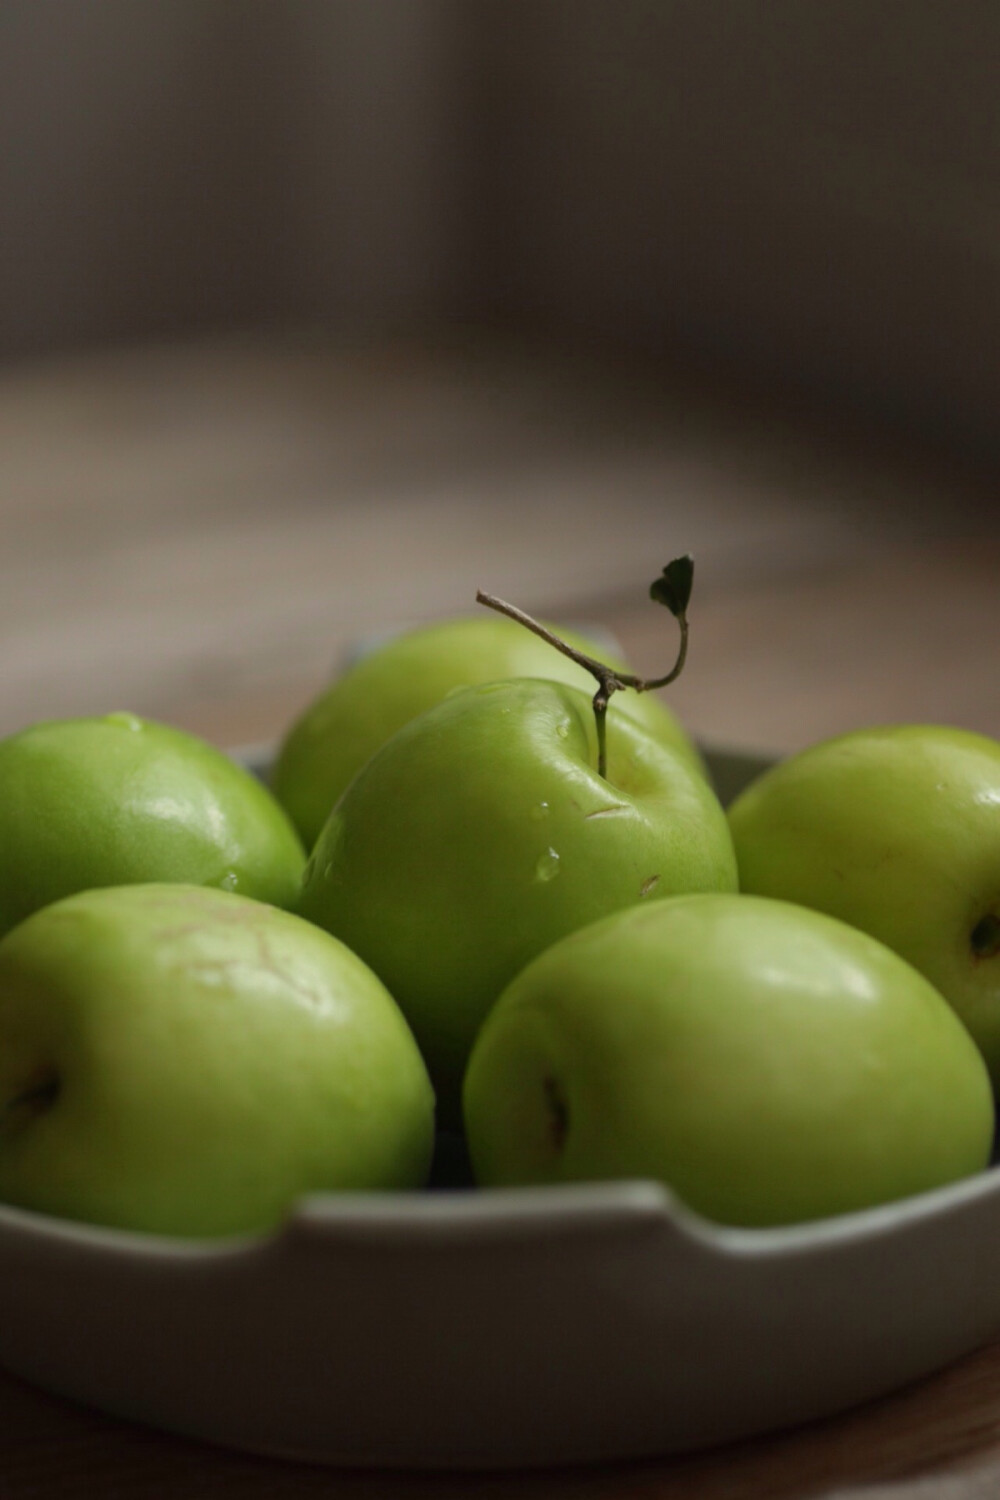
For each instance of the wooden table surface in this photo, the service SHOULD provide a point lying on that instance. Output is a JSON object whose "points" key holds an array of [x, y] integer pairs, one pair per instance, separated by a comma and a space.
{"points": [[198, 533]]}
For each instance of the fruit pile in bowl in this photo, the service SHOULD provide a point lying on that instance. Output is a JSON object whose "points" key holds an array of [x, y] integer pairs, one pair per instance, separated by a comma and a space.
{"points": [[479, 900]]}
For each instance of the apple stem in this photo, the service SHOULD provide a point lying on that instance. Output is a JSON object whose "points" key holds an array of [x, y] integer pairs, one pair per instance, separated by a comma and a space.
{"points": [[609, 679]]}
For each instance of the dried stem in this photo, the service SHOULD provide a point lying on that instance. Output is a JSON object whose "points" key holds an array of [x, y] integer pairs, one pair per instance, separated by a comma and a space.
{"points": [[609, 679]]}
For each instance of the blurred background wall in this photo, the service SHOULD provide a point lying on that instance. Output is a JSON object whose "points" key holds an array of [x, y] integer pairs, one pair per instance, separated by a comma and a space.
{"points": [[137, 170], [807, 190], [167, 168]]}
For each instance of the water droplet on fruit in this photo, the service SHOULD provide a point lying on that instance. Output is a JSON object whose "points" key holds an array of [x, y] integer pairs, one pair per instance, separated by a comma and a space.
{"points": [[547, 867], [562, 729], [125, 721], [540, 811], [230, 881]]}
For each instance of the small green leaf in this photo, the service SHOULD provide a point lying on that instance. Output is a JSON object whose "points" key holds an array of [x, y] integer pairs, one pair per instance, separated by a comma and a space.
{"points": [[673, 588]]}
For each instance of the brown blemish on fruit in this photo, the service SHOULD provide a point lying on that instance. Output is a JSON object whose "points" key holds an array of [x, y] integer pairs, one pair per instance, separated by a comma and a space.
{"points": [[236, 968], [648, 886], [610, 811]]}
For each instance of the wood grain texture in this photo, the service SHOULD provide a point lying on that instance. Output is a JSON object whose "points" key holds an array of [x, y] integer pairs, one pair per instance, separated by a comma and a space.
{"points": [[200, 533], [944, 1429]]}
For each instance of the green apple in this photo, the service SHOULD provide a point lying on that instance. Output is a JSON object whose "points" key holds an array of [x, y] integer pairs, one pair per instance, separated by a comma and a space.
{"points": [[768, 1063], [481, 832], [113, 800], [897, 831], [411, 672], [187, 1062]]}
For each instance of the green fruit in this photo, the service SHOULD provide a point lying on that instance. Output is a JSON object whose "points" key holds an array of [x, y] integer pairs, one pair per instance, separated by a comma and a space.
{"points": [[481, 832], [412, 672], [115, 800], [897, 831], [187, 1062], [766, 1062]]}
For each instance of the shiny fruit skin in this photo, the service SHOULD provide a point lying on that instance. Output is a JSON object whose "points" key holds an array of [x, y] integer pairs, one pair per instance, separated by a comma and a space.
{"points": [[895, 830], [110, 801], [409, 673], [481, 832], [768, 1064], [181, 1061]]}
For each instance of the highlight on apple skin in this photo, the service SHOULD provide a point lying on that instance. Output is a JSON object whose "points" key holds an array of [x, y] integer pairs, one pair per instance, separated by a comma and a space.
{"points": [[482, 832], [341, 729], [895, 830], [117, 799], [182, 1061], [767, 1063]]}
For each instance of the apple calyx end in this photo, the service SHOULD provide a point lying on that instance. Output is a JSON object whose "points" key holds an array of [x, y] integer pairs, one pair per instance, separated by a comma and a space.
{"points": [[36, 1098], [558, 1112], [984, 940]]}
